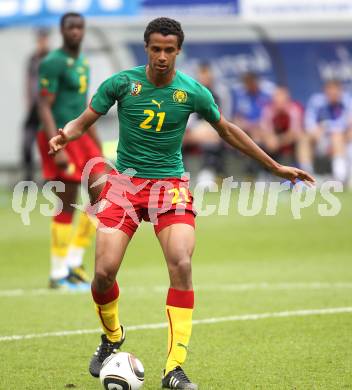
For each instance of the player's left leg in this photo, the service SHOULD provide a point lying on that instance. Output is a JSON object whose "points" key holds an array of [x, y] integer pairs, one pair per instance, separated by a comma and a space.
{"points": [[177, 241]]}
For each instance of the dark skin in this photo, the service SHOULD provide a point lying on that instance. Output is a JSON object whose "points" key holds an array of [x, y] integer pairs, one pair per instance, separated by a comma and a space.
{"points": [[72, 33], [177, 241], [162, 52]]}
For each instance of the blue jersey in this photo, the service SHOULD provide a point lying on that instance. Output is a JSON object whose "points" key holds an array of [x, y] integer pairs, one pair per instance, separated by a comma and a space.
{"points": [[333, 117], [249, 106]]}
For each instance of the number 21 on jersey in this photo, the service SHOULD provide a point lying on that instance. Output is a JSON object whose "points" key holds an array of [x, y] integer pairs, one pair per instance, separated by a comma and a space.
{"points": [[150, 116]]}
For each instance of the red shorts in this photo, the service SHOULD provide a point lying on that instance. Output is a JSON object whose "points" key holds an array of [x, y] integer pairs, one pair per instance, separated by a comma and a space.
{"points": [[125, 201], [79, 153]]}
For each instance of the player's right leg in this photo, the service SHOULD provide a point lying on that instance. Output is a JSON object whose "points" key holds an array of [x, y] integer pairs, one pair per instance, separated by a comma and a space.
{"points": [[115, 230], [110, 249]]}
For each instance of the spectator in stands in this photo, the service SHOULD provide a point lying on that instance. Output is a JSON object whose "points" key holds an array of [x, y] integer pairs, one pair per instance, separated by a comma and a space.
{"points": [[281, 123], [248, 104], [327, 123], [31, 123]]}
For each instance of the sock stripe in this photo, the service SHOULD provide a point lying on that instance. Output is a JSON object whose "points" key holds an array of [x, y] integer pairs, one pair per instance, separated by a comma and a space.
{"points": [[171, 331], [103, 323]]}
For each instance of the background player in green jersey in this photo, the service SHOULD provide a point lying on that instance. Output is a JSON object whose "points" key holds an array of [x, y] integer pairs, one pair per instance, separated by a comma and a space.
{"points": [[63, 83], [154, 102]]}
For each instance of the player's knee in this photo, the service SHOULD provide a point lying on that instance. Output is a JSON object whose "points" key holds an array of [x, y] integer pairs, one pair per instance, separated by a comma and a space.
{"points": [[181, 264], [103, 279]]}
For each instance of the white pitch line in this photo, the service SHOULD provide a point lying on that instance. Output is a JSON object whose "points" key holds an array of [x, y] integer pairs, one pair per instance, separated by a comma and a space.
{"points": [[161, 325], [210, 287]]}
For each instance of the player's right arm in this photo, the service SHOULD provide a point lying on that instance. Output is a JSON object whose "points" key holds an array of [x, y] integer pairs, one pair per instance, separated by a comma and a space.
{"points": [[105, 97], [73, 130]]}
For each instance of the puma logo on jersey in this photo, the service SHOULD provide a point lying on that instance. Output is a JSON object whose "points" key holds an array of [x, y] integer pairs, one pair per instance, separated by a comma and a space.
{"points": [[158, 104]]}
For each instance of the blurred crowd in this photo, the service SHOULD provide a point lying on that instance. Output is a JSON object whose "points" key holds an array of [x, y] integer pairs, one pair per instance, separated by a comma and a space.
{"points": [[316, 138]]}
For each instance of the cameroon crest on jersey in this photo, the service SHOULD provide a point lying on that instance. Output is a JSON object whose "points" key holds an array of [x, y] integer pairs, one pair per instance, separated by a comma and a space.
{"points": [[136, 87], [180, 96]]}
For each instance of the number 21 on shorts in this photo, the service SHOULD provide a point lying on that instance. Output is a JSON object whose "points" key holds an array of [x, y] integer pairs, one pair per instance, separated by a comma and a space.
{"points": [[180, 195]]}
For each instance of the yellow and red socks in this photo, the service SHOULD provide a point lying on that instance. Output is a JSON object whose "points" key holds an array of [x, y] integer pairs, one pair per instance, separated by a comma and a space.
{"points": [[61, 234], [107, 309], [179, 310], [80, 241]]}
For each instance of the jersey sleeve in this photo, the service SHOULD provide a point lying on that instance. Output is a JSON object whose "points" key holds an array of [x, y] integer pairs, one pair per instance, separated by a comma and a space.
{"points": [[50, 70], [108, 93], [205, 105]]}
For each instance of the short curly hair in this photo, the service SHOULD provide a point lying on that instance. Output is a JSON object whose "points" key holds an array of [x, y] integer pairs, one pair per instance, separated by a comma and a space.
{"points": [[67, 15], [164, 26]]}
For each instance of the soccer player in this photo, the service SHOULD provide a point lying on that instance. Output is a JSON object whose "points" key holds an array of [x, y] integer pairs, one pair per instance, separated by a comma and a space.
{"points": [[153, 104], [63, 81]]}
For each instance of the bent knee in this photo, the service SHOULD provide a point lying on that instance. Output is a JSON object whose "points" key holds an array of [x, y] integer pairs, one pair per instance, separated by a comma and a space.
{"points": [[103, 279]]}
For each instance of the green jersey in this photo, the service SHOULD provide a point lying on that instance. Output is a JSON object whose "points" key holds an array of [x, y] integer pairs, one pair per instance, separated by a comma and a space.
{"points": [[67, 78], [152, 120]]}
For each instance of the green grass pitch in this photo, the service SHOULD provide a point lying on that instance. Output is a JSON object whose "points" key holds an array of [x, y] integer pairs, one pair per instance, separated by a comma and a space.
{"points": [[241, 266]]}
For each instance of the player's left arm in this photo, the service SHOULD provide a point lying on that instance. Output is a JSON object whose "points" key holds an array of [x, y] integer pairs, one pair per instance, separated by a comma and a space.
{"points": [[238, 139], [73, 130]]}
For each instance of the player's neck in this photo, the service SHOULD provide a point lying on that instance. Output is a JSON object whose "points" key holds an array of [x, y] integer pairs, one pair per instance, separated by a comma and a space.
{"points": [[71, 52], [159, 80]]}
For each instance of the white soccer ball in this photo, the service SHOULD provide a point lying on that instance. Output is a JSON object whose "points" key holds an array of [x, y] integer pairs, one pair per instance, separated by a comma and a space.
{"points": [[122, 371]]}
